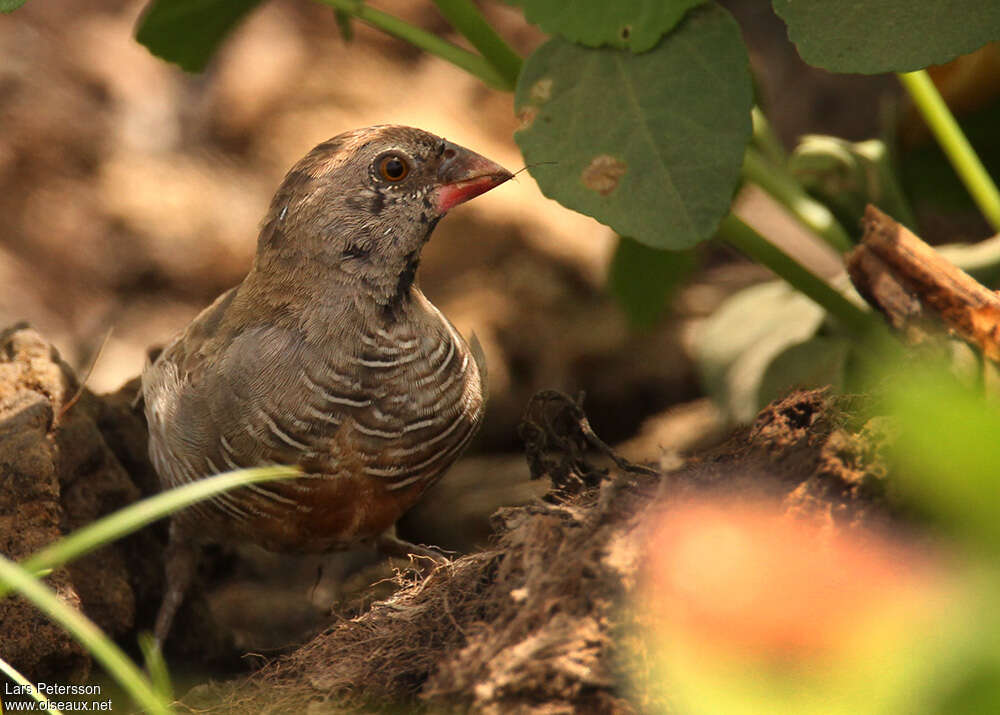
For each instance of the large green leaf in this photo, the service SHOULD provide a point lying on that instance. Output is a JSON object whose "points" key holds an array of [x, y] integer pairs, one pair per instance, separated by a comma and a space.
{"points": [[650, 144], [736, 345], [947, 451], [820, 361], [187, 32], [887, 35], [636, 25], [643, 279]]}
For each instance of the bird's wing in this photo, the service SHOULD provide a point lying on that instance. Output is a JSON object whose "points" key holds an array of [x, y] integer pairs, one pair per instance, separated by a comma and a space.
{"points": [[479, 355], [178, 428], [222, 397], [264, 395]]}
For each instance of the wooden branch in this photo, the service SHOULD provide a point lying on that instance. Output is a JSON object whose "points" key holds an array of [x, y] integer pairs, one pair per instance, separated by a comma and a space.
{"points": [[917, 289]]}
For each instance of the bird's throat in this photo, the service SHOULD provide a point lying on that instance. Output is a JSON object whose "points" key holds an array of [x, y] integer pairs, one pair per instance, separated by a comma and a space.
{"points": [[404, 284]]}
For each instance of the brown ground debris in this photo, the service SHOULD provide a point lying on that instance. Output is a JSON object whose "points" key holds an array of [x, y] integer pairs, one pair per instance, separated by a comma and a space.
{"points": [[537, 622]]}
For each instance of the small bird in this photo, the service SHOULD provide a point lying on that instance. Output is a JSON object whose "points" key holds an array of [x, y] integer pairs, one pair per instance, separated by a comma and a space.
{"points": [[326, 356]]}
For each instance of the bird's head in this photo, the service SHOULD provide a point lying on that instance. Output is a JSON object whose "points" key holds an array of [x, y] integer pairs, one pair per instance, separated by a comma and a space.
{"points": [[363, 204]]}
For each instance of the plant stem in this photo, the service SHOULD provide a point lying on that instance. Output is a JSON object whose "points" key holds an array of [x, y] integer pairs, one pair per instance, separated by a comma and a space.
{"points": [[782, 186], [469, 21], [747, 240], [83, 629], [426, 41], [954, 143], [765, 138]]}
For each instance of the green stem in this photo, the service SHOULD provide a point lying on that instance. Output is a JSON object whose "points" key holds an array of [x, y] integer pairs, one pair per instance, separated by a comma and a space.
{"points": [[466, 18], [426, 41], [954, 143], [782, 186], [746, 239], [83, 629], [765, 138]]}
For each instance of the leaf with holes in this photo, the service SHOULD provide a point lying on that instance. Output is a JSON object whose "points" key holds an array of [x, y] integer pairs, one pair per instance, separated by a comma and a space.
{"points": [[636, 25], [188, 32], [888, 35], [650, 144]]}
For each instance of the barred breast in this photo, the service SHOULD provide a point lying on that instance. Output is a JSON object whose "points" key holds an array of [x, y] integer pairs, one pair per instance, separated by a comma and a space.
{"points": [[373, 424]]}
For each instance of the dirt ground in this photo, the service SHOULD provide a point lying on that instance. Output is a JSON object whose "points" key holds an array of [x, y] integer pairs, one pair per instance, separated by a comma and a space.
{"points": [[534, 623]]}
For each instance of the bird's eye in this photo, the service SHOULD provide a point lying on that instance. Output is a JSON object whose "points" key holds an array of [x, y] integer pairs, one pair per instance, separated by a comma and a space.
{"points": [[393, 168]]}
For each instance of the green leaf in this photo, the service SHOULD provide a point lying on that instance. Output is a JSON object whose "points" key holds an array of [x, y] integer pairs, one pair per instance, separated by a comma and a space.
{"points": [[636, 25], [743, 337], [15, 675], [947, 451], [643, 279], [101, 648], [11, 5], [847, 176], [188, 32], [818, 362], [650, 144], [888, 35]]}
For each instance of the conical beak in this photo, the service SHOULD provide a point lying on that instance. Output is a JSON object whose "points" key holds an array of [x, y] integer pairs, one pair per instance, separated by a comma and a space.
{"points": [[464, 175]]}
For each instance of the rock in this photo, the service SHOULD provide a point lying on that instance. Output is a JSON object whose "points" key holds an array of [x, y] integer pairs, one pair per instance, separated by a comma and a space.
{"points": [[58, 473]]}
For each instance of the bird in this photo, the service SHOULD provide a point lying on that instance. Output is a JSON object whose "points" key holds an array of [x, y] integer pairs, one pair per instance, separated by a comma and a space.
{"points": [[327, 357]]}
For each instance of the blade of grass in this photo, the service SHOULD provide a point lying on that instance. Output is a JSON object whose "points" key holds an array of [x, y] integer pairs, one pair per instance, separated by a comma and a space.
{"points": [[11, 672], [156, 666], [135, 516], [953, 141], [432, 44], [100, 647]]}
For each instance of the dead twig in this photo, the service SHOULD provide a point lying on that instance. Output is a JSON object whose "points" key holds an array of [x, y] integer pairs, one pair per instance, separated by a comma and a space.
{"points": [[83, 383], [917, 289], [557, 437]]}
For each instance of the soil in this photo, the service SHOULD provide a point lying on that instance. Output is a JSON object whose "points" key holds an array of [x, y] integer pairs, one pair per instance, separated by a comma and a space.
{"points": [[61, 467], [535, 622]]}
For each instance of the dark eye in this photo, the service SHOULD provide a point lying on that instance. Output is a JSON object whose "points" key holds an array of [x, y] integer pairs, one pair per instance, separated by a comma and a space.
{"points": [[393, 168]]}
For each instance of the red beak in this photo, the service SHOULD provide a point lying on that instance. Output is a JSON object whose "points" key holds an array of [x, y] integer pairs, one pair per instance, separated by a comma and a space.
{"points": [[465, 175]]}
